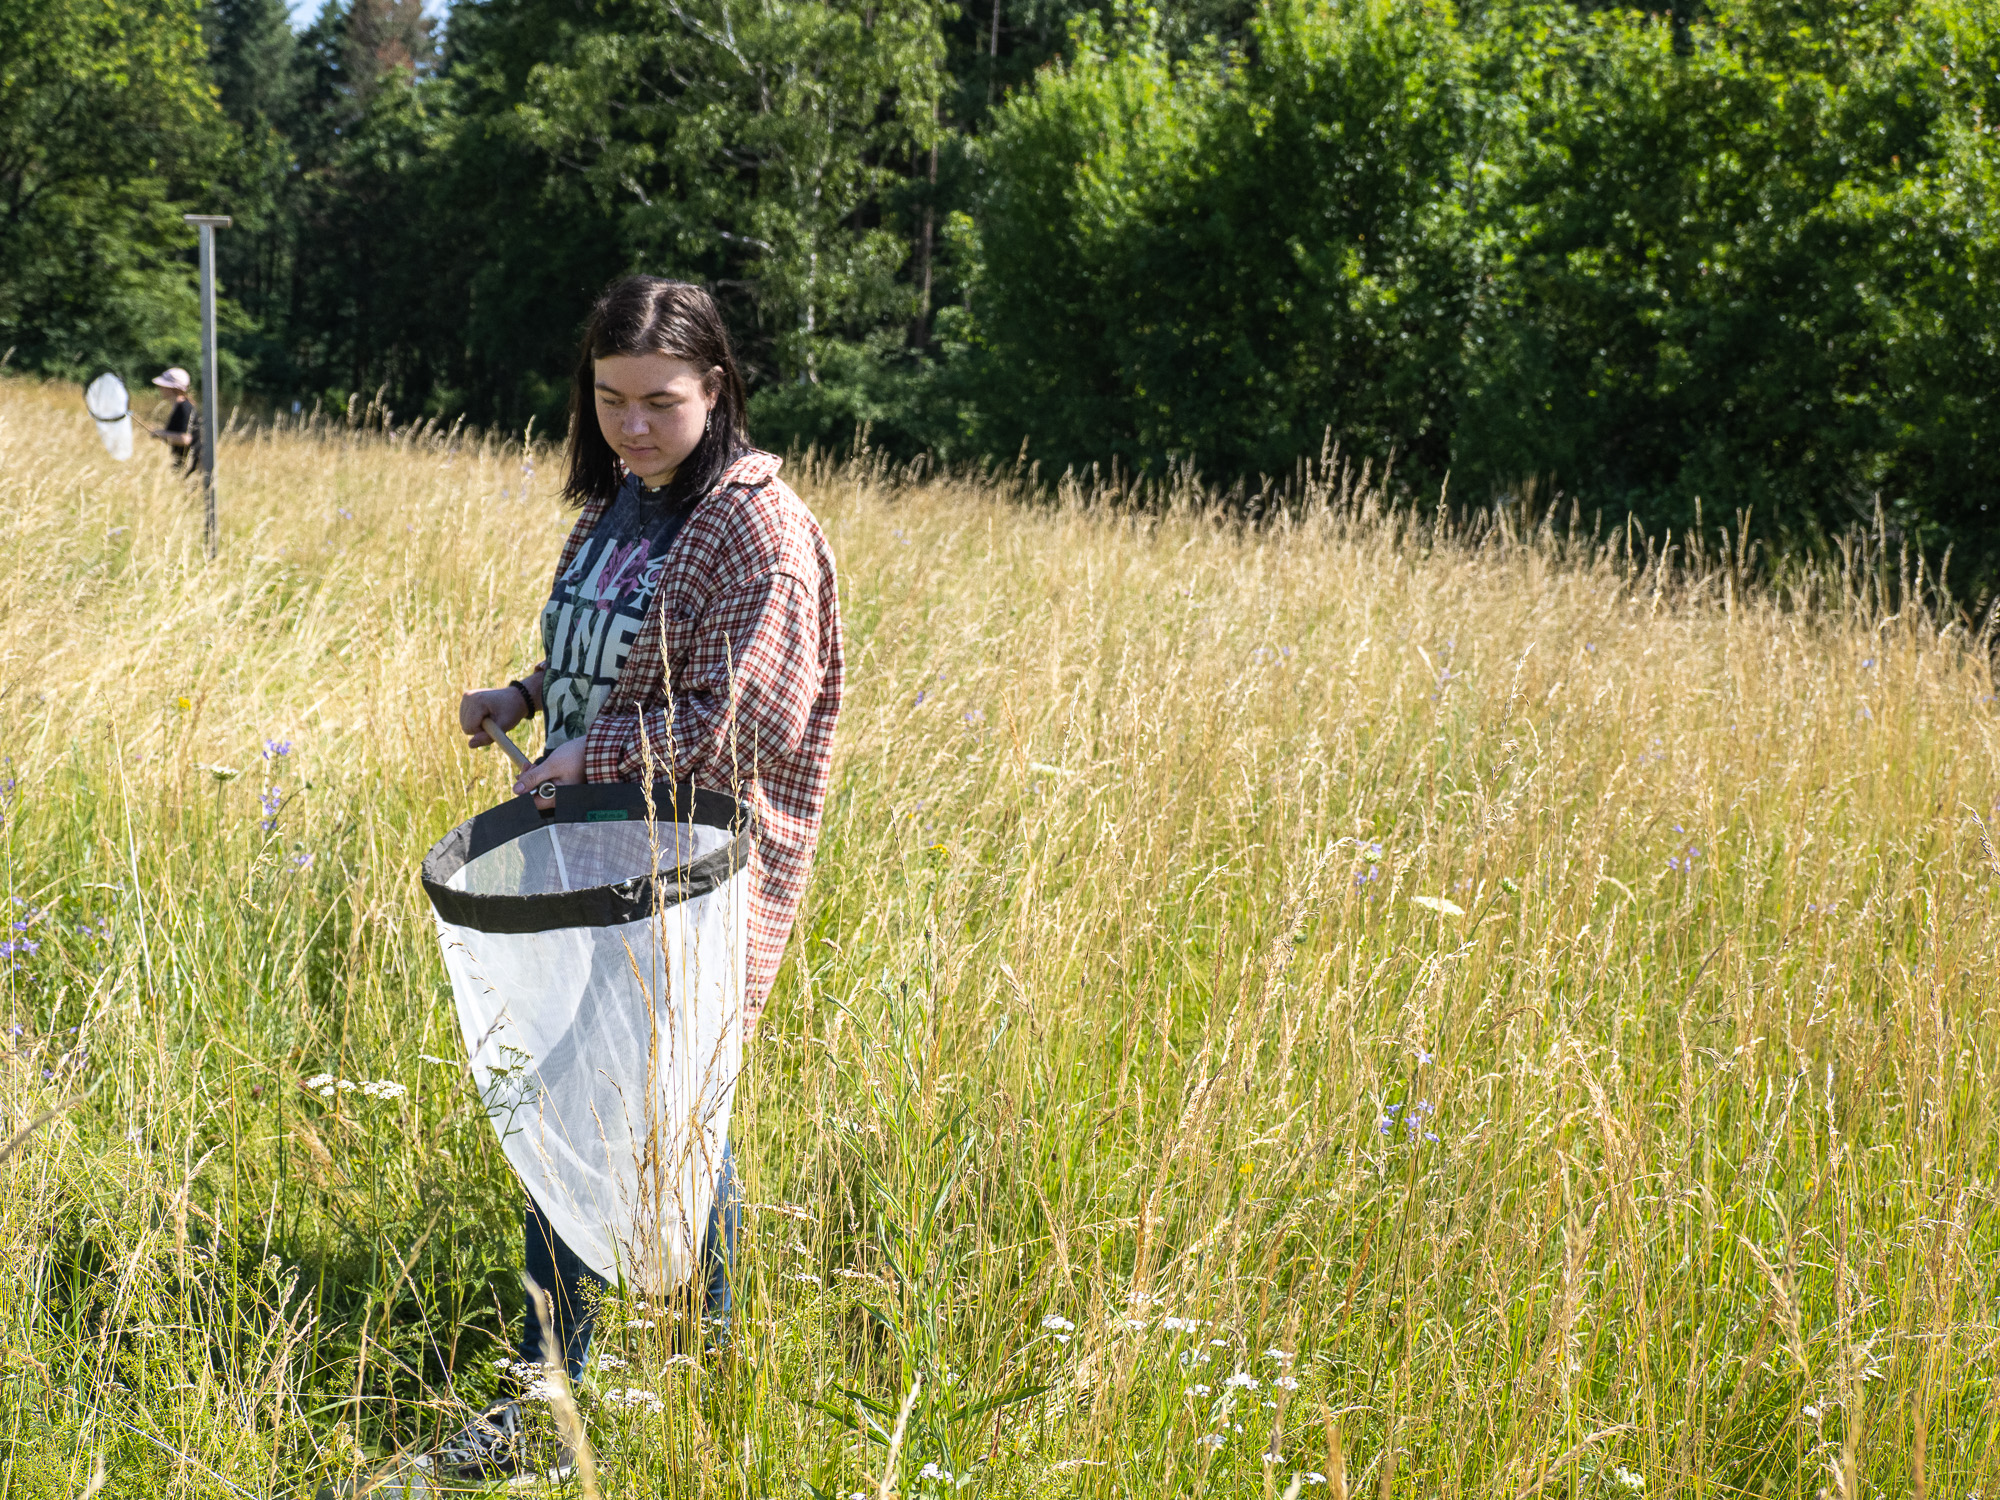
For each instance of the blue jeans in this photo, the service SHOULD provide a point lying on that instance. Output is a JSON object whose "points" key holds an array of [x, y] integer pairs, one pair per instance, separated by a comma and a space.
{"points": [[572, 1285]]}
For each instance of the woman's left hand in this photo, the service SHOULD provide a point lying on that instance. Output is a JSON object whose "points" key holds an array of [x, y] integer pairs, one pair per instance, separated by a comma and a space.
{"points": [[562, 765]]}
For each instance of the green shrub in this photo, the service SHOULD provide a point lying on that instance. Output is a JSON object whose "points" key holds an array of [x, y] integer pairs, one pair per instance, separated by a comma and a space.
{"points": [[1747, 273], [1214, 261], [1751, 274]]}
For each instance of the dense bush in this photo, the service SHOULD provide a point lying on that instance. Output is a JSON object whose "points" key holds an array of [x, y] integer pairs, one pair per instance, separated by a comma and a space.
{"points": [[1215, 259], [1747, 262], [1761, 273]]}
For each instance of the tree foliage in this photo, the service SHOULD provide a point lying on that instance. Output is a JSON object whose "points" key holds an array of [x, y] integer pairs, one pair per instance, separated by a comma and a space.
{"points": [[1232, 254], [1720, 257], [1751, 274], [106, 122], [1734, 265]]}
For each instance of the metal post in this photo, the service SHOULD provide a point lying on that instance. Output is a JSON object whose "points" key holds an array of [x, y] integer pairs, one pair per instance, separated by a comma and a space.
{"points": [[207, 224]]}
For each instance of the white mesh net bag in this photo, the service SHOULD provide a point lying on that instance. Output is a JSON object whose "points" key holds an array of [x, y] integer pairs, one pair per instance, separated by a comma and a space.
{"points": [[111, 409], [596, 959]]}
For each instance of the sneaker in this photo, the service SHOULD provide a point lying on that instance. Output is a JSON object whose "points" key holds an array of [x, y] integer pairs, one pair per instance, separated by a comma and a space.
{"points": [[490, 1446]]}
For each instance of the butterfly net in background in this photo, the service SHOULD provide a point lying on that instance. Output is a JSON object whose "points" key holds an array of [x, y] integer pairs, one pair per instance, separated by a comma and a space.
{"points": [[111, 409], [596, 959]]}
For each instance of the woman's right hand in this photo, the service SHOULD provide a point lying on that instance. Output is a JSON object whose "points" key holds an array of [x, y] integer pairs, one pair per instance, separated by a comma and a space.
{"points": [[502, 705]]}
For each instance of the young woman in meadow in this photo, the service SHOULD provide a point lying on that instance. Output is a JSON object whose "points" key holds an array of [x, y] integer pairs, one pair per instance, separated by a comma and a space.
{"points": [[692, 566]]}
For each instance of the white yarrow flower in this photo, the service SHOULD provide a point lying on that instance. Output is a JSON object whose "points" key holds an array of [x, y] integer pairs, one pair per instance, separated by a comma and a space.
{"points": [[633, 1396], [1242, 1381]]}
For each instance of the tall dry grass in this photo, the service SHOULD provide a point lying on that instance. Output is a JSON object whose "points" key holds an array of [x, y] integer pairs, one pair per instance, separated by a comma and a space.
{"points": [[1342, 1006]]}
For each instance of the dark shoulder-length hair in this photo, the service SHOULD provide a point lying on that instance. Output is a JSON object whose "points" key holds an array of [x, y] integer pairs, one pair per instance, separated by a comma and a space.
{"points": [[651, 315]]}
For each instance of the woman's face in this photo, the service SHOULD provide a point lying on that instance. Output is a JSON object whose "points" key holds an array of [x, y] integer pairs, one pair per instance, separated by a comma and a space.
{"points": [[652, 410]]}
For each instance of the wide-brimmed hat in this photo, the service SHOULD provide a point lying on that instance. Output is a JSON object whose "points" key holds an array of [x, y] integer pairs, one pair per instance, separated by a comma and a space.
{"points": [[174, 378]]}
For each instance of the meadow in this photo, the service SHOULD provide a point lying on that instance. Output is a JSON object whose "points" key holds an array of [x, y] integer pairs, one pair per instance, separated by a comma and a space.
{"points": [[1365, 1003]]}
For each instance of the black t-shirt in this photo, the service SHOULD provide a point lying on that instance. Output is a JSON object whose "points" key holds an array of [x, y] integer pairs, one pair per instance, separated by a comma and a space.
{"points": [[595, 611], [182, 419]]}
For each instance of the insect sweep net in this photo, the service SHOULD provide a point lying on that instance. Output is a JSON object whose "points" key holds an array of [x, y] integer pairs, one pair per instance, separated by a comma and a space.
{"points": [[111, 409], [596, 959]]}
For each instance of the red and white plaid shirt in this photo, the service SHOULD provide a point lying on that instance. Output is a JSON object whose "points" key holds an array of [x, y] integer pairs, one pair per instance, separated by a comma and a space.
{"points": [[735, 682]]}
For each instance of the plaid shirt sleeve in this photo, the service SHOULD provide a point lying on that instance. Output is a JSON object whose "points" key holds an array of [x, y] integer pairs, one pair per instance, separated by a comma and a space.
{"points": [[743, 700], [734, 683]]}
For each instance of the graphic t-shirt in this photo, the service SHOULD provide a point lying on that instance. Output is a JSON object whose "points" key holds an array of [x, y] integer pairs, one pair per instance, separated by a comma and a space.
{"points": [[594, 614]]}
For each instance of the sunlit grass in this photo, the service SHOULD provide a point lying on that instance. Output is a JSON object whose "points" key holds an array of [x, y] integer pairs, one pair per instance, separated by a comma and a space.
{"points": [[1344, 1003]]}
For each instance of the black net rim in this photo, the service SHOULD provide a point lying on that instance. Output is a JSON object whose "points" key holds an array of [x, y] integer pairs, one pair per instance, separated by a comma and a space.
{"points": [[595, 906]]}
